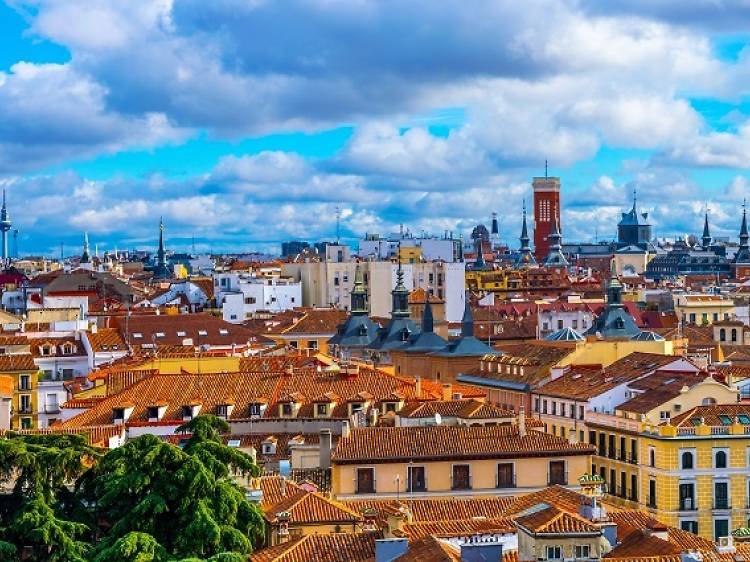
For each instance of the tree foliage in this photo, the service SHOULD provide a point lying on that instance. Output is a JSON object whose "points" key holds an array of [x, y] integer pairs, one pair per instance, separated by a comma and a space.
{"points": [[147, 501]]}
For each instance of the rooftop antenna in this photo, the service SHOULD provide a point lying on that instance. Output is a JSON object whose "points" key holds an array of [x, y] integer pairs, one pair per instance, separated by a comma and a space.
{"points": [[545, 168], [338, 224]]}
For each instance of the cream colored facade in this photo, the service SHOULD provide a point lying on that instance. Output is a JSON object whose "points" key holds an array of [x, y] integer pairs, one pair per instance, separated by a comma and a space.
{"points": [[391, 481], [632, 263], [703, 309], [329, 283], [606, 352]]}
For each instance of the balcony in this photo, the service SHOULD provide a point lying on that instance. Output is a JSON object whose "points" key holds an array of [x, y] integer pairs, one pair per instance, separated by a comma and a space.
{"points": [[366, 487], [505, 482], [722, 503], [557, 478], [25, 410], [687, 504]]}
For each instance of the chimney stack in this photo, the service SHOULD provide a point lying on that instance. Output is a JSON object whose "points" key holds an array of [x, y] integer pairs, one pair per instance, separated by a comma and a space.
{"points": [[325, 449], [522, 422], [447, 391], [418, 387], [345, 432]]}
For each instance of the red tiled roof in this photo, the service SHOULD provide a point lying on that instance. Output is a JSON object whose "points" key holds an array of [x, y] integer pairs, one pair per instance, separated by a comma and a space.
{"points": [[334, 547], [390, 444], [553, 521], [17, 362]]}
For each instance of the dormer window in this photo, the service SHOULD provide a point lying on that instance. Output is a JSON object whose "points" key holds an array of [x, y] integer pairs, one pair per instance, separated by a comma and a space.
{"points": [[224, 410], [181, 334], [321, 410], [120, 414], [202, 333], [224, 332], [255, 409], [189, 411], [391, 407], [355, 407], [137, 335], [286, 410], [268, 447]]}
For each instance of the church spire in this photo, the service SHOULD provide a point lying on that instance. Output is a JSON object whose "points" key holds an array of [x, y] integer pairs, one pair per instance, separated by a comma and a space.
{"points": [[359, 293], [428, 323], [400, 294], [161, 254], [743, 228], [706, 238], [467, 322], [525, 255], [85, 256]]}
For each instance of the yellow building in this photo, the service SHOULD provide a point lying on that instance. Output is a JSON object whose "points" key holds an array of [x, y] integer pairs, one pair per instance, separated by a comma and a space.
{"points": [[703, 309], [491, 280], [25, 376], [441, 460], [638, 448]]}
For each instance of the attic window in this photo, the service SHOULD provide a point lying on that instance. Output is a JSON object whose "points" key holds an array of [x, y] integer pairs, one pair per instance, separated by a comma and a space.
{"points": [[137, 335], [233, 443], [725, 420], [744, 419], [181, 334], [159, 334], [224, 332], [202, 333]]}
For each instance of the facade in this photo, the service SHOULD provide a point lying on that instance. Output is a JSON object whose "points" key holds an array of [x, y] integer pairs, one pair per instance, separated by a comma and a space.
{"points": [[426, 461], [546, 213], [447, 249], [25, 375], [703, 309], [242, 295], [329, 283]]}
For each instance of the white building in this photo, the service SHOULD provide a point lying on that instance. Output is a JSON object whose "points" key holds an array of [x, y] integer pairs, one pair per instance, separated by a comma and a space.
{"points": [[433, 248], [329, 283], [241, 294]]}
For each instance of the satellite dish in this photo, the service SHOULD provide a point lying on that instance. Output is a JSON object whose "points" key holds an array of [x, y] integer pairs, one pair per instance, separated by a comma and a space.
{"points": [[438, 418]]}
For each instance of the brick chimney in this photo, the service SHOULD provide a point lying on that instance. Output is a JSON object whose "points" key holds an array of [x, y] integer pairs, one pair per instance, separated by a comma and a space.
{"points": [[522, 422]]}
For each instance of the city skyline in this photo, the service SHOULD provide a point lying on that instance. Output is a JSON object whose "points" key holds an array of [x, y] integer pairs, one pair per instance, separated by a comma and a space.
{"points": [[136, 112]]}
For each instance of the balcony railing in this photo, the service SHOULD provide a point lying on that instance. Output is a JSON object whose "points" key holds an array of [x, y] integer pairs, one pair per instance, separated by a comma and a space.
{"points": [[25, 410], [687, 504], [505, 482], [558, 478], [368, 488], [722, 503], [416, 486]]}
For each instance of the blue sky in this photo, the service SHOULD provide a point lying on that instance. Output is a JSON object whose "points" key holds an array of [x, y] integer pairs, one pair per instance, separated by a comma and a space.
{"points": [[247, 123]]}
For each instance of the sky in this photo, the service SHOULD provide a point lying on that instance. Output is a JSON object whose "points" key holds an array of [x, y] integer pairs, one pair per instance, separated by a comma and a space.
{"points": [[247, 122]]}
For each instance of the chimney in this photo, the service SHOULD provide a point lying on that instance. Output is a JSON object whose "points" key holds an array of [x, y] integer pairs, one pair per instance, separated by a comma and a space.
{"points": [[418, 387], [345, 433], [387, 550], [282, 486], [325, 448], [283, 518], [522, 422], [447, 391], [373, 417]]}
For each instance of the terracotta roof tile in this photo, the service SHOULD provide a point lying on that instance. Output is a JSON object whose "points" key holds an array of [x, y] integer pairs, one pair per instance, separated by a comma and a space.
{"points": [[106, 339], [386, 444], [17, 362], [334, 547], [318, 321], [554, 521]]}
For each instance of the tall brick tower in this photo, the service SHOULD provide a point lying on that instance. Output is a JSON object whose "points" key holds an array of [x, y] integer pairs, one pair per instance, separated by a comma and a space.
{"points": [[546, 210]]}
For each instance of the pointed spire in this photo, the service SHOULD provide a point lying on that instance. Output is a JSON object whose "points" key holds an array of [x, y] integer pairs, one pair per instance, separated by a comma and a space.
{"points": [[428, 323], [706, 238], [467, 322], [525, 255], [524, 230], [743, 227], [359, 293], [400, 294], [85, 256], [161, 255], [635, 200], [479, 263]]}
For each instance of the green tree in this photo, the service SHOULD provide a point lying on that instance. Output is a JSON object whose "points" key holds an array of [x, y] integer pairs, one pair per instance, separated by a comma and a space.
{"points": [[185, 499], [35, 515]]}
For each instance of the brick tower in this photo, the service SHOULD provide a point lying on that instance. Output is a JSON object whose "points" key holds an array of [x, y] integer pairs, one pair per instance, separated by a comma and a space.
{"points": [[546, 211]]}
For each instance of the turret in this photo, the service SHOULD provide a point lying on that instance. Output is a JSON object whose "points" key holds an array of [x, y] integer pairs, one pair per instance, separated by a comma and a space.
{"points": [[359, 293], [5, 225]]}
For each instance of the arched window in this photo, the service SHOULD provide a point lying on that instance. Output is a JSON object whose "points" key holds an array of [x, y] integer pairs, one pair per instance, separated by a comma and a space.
{"points": [[687, 460], [722, 335], [721, 459]]}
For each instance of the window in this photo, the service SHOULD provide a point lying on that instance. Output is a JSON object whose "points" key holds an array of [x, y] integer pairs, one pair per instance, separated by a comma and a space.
{"points": [[181, 334], [554, 552], [721, 528], [505, 476], [721, 495], [652, 493], [322, 409], [652, 456], [734, 337], [720, 459], [202, 333], [560, 325], [25, 382], [222, 410], [286, 410], [365, 480], [25, 403], [544, 406], [461, 477], [312, 344], [25, 423], [634, 487], [689, 525], [687, 496], [722, 335], [415, 479], [557, 474], [580, 412], [187, 412], [153, 412], [687, 460], [583, 551]]}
